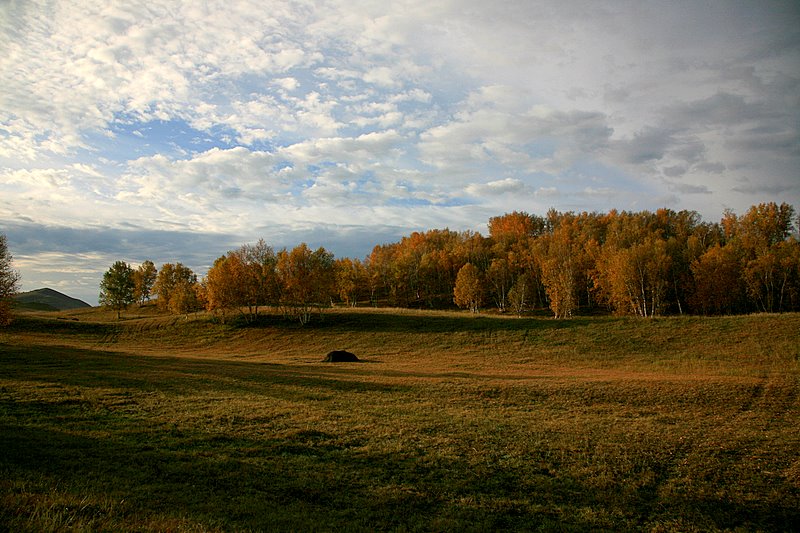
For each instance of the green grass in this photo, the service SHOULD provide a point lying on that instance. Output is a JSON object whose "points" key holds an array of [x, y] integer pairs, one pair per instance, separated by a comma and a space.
{"points": [[453, 422]]}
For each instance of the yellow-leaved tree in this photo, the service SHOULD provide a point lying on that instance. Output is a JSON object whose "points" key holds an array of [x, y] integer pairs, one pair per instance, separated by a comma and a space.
{"points": [[718, 286], [635, 280], [307, 280], [176, 288], [144, 277], [468, 291]]}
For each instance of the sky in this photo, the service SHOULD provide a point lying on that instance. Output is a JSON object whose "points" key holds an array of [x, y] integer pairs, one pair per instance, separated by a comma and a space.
{"points": [[176, 131]]}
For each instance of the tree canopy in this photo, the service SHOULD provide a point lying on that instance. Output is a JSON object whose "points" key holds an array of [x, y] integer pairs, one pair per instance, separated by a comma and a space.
{"points": [[118, 288], [629, 263]]}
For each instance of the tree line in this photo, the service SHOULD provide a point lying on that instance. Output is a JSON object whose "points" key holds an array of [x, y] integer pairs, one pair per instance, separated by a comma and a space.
{"points": [[627, 263]]}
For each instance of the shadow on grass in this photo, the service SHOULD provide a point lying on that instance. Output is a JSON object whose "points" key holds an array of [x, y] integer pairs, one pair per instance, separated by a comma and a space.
{"points": [[421, 322], [303, 482], [60, 446], [243, 484], [76, 367], [297, 479]]}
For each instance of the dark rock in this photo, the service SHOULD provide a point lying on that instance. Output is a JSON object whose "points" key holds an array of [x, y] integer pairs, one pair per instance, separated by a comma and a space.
{"points": [[340, 356]]}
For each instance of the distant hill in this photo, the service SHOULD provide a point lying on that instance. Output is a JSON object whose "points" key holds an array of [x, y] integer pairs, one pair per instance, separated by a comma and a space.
{"points": [[48, 300]]}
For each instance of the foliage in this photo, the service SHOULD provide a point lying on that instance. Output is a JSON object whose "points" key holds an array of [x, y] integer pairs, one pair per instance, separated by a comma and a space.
{"points": [[634, 263], [118, 288], [144, 278], [222, 286], [9, 281], [718, 285], [307, 280], [519, 295], [176, 288], [351, 280], [468, 291], [772, 276], [634, 280]]}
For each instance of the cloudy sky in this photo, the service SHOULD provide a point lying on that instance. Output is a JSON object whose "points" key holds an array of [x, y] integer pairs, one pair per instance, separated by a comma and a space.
{"points": [[175, 131]]}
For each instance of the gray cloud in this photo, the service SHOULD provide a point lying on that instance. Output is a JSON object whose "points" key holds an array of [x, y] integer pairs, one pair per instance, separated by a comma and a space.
{"points": [[178, 119]]}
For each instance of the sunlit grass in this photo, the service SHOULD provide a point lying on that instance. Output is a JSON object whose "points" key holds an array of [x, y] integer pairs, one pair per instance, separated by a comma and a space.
{"points": [[453, 422]]}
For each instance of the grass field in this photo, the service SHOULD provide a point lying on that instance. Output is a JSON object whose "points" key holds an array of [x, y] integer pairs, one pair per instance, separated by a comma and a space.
{"points": [[451, 423]]}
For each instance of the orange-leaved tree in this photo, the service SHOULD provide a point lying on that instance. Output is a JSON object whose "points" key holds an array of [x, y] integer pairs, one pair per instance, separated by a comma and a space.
{"points": [[176, 288], [144, 277], [351, 280], [718, 286], [635, 280], [307, 279], [223, 289], [468, 291]]}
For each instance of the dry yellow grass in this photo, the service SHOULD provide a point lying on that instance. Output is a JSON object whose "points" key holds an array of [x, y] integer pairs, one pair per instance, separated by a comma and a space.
{"points": [[452, 422]]}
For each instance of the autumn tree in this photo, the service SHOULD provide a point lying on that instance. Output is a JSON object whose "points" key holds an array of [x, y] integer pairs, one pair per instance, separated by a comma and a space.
{"points": [[259, 280], [635, 280], [222, 289], [117, 289], [559, 274], [500, 280], [772, 277], [307, 280], [144, 277], [468, 291], [718, 287], [765, 225], [380, 273], [351, 280], [566, 259], [520, 294], [9, 282], [515, 226], [176, 289]]}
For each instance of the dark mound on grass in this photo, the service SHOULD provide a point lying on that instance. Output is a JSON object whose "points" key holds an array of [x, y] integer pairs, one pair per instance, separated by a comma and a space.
{"points": [[340, 356]]}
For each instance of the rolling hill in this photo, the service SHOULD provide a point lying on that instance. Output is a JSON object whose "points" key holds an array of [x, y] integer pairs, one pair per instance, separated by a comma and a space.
{"points": [[48, 300]]}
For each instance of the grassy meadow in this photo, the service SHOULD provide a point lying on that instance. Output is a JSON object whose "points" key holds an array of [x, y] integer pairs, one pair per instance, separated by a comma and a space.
{"points": [[451, 423]]}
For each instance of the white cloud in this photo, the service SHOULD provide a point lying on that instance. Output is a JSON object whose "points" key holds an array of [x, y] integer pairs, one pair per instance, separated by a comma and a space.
{"points": [[497, 187], [226, 116]]}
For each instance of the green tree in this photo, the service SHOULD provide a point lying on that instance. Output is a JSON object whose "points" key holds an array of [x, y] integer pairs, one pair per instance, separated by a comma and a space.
{"points": [[9, 282], [117, 290]]}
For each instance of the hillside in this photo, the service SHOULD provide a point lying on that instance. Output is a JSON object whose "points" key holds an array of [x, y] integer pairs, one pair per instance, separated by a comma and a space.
{"points": [[48, 300], [451, 422]]}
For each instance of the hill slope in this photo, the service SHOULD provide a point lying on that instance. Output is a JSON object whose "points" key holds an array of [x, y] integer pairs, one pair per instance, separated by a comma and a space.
{"points": [[48, 300], [452, 422]]}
